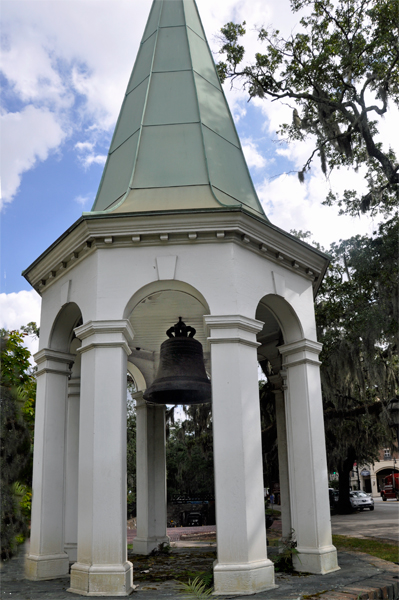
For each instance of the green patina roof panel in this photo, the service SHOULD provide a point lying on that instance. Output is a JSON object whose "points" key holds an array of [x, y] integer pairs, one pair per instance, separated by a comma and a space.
{"points": [[170, 155], [142, 66], [153, 19], [228, 170], [213, 110], [202, 59], [131, 114], [192, 18], [172, 14], [171, 99], [117, 173], [172, 50], [175, 132]]}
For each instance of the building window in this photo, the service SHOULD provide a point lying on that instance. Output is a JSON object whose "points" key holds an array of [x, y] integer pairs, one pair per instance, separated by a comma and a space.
{"points": [[387, 454]]}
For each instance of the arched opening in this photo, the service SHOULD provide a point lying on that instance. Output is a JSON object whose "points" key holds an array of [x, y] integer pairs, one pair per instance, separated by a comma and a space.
{"points": [[280, 326], [62, 332], [151, 312], [63, 339]]}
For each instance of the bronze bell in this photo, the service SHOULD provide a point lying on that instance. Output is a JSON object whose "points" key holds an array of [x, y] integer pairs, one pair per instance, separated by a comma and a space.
{"points": [[181, 377]]}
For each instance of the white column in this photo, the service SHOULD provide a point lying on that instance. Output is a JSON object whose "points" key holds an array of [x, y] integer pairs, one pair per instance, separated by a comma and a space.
{"points": [[102, 568], [242, 566], [72, 463], [150, 477], [310, 507], [47, 558], [285, 505]]}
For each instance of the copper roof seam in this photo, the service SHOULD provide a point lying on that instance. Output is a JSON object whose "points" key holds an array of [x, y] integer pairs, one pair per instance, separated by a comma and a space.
{"points": [[116, 203], [218, 88], [197, 101], [124, 141], [135, 87], [145, 104]]}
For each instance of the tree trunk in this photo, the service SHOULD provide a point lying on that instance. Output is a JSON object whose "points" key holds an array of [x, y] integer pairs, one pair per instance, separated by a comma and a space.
{"points": [[344, 506]]}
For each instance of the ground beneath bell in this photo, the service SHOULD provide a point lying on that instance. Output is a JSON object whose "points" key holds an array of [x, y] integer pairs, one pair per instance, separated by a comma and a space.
{"points": [[190, 555]]}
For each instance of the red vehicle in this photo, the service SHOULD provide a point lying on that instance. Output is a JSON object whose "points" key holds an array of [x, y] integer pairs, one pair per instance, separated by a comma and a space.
{"points": [[391, 487]]}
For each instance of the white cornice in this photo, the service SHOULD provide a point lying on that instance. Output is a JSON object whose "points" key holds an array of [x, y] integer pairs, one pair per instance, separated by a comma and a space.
{"points": [[91, 233]]}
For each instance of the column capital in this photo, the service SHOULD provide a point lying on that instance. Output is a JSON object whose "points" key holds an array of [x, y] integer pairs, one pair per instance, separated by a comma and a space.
{"points": [[225, 329], [105, 334], [53, 361], [300, 352], [138, 397], [279, 381]]}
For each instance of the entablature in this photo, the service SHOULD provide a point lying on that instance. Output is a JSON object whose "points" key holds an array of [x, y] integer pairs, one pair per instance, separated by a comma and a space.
{"points": [[93, 232]]}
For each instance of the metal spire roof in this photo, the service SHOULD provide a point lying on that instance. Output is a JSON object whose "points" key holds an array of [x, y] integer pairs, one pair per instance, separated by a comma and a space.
{"points": [[175, 146]]}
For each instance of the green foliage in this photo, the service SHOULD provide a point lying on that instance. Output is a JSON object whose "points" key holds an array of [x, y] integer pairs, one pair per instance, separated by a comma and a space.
{"points": [[18, 391], [131, 457], [15, 365], [189, 453], [196, 588], [269, 431], [15, 458], [287, 550], [357, 316], [341, 70], [31, 329]]}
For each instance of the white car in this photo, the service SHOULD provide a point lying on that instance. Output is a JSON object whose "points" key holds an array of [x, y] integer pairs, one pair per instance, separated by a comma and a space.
{"points": [[361, 500]]}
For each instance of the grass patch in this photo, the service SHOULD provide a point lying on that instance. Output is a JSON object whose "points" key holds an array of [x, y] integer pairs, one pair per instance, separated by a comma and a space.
{"points": [[273, 513], [380, 548]]}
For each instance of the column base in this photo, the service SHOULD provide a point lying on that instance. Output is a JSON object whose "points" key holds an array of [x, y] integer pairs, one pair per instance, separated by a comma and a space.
{"points": [[243, 579], [317, 561], [147, 545], [51, 566], [72, 550], [102, 580]]}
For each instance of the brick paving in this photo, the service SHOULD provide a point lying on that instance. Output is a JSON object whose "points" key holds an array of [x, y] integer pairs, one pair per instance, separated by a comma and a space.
{"points": [[175, 533]]}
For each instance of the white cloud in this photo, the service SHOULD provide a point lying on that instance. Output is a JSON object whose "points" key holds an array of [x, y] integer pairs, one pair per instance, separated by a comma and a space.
{"points": [[83, 200], [252, 155], [292, 205], [87, 156], [90, 159], [19, 309], [28, 66], [71, 61], [84, 146], [27, 136]]}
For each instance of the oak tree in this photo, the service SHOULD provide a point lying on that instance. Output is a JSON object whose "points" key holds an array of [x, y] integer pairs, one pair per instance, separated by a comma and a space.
{"points": [[340, 74]]}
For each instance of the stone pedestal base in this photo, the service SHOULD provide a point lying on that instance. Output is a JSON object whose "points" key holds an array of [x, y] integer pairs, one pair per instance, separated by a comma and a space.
{"points": [[243, 579], [72, 551], [319, 562], [147, 545], [46, 567], [102, 580]]}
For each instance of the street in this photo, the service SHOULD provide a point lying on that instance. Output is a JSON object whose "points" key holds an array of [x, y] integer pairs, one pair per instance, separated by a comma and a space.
{"points": [[382, 522]]}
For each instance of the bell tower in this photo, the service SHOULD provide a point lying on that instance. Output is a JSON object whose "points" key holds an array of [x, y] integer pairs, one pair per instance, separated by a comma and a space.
{"points": [[176, 230]]}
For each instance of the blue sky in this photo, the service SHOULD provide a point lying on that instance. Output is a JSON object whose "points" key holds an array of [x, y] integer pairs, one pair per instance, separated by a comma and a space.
{"points": [[65, 67]]}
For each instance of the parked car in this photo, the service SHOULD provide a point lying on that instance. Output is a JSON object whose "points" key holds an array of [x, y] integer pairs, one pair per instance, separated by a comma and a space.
{"points": [[361, 500], [333, 496]]}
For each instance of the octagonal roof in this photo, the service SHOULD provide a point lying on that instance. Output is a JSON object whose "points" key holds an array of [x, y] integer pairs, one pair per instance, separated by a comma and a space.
{"points": [[175, 146]]}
